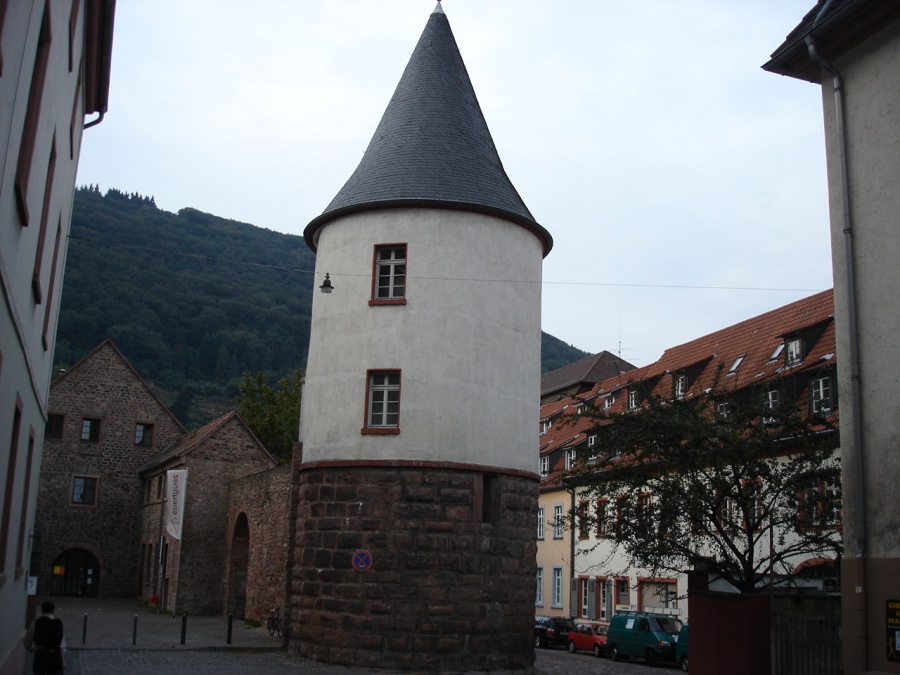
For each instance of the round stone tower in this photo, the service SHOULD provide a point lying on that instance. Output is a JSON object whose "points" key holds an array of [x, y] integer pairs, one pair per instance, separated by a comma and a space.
{"points": [[415, 530]]}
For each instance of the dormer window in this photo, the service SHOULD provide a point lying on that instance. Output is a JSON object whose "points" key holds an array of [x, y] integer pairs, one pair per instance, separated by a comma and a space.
{"points": [[570, 459], [608, 401], [793, 351], [592, 441], [680, 383], [545, 426], [724, 411], [545, 465], [633, 399]]}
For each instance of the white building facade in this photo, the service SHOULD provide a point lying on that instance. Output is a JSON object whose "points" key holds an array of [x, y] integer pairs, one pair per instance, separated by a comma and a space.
{"points": [[54, 70]]}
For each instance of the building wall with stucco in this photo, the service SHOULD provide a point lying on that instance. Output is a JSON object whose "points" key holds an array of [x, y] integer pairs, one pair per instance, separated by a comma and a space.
{"points": [[872, 116]]}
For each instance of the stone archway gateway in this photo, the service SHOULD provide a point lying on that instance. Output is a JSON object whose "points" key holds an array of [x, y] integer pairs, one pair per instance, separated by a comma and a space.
{"points": [[240, 560], [76, 572]]}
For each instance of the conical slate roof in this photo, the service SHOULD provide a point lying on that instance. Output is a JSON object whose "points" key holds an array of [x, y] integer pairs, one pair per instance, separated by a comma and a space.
{"points": [[432, 147]]}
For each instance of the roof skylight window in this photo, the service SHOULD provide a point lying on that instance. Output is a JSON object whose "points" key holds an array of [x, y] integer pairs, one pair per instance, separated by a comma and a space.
{"points": [[777, 352], [734, 366]]}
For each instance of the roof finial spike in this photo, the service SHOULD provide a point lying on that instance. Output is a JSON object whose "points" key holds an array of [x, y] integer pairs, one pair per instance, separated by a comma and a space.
{"points": [[438, 9]]}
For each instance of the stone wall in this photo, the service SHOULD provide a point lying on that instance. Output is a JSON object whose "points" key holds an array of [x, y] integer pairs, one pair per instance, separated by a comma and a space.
{"points": [[230, 453], [257, 577], [451, 584], [101, 386]]}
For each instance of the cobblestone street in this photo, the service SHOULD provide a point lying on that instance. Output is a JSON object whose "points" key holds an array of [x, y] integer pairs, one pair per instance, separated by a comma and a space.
{"points": [[108, 644]]}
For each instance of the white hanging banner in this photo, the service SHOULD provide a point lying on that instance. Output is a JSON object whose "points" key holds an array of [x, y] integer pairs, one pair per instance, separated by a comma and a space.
{"points": [[176, 487]]}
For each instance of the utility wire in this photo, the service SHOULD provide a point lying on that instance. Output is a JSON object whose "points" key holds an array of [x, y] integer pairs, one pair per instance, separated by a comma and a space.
{"points": [[514, 281]]}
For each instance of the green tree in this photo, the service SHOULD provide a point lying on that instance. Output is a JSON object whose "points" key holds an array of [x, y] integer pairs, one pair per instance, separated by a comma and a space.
{"points": [[729, 483], [272, 413]]}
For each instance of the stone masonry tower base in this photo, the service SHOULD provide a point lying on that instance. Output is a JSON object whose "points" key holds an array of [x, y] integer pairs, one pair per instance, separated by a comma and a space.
{"points": [[451, 582]]}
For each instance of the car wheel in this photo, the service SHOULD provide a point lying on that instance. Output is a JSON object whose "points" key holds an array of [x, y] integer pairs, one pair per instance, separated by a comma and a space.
{"points": [[614, 653], [597, 651], [651, 657], [684, 664], [538, 642], [571, 647]]}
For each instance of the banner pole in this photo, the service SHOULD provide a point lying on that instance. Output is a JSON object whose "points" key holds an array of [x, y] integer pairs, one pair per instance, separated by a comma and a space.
{"points": [[160, 546]]}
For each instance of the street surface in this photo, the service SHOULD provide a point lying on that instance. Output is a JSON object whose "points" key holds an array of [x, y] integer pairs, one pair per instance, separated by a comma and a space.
{"points": [[123, 637]]}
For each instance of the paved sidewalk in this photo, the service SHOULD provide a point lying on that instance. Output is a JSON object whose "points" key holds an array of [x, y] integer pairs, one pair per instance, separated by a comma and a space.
{"points": [[91, 623]]}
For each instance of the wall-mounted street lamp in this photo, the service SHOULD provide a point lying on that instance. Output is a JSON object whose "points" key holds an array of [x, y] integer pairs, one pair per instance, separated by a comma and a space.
{"points": [[326, 286]]}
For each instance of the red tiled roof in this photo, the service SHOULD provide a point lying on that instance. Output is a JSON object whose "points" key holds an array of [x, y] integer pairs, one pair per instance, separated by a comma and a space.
{"points": [[756, 340]]}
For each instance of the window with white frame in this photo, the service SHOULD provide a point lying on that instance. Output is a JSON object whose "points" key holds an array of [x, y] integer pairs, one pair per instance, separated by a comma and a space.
{"points": [[570, 459], [383, 402], [723, 410], [557, 591], [608, 401], [592, 440], [545, 426], [558, 521], [604, 598], [793, 348], [540, 522], [680, 385], [545, 465], [389, 283], [539, 587], [820, 389], [633, 399], [771, 402], [832, 507]]}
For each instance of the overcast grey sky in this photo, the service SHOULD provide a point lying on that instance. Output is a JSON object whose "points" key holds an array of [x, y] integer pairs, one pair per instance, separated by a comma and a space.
{"points": [[642, 134]]}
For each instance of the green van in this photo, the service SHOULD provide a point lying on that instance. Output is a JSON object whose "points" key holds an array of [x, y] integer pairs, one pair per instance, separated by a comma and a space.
{"points": [[650, 636], [681, 650]]}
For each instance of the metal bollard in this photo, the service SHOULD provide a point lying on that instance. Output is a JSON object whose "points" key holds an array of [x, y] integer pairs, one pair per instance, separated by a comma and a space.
{"points": [[230, 624], [84, 629], [134, 631], [183, 626]]}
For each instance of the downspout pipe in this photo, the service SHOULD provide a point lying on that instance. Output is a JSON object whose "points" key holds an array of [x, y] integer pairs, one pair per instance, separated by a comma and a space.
{"points": [[850, 277]]}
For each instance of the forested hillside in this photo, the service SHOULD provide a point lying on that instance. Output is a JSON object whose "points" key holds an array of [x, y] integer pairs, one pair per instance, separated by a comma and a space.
{"points": [[191, 299]]}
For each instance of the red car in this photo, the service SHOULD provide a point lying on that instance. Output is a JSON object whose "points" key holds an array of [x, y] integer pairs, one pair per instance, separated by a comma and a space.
{"points": [[588, 637]]}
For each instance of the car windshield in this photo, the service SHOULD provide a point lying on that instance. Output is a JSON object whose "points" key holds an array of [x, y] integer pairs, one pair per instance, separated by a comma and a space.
{"points": [[666, 624]]}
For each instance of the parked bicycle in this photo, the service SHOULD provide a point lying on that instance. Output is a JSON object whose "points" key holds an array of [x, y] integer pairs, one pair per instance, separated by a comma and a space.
{"points": [[273, 624]]}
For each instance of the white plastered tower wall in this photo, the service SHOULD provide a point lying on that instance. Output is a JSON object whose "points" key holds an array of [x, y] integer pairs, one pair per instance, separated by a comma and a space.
{"points": [[420, 527], [467, 341]]}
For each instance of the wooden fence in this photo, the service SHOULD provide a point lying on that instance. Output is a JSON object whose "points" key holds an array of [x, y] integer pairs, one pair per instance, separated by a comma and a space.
{"points": [[806, 645]]}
